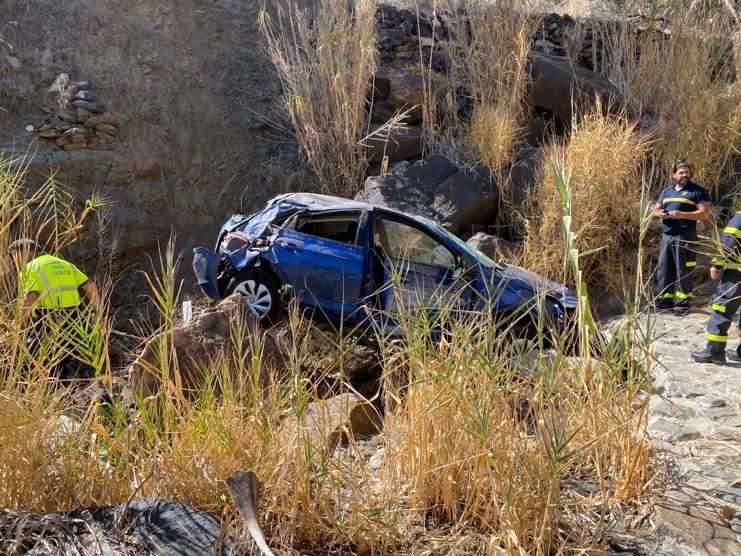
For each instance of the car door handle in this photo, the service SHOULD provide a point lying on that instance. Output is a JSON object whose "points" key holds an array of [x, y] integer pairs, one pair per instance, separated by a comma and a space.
{"points": [[290, 245]]}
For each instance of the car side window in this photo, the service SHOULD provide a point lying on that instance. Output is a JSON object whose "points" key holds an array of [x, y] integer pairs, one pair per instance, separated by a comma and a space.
{"points": [[337, 227], [402, 242]]}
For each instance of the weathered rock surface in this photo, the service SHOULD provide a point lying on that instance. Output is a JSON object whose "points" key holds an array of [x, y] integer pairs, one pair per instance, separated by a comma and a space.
{"points": [[406, 92], [494, 247], [465, 199], [133, 188], [210, 337], [332, 422], [436, 188], [396, 142], [199, 344], [557, 85], [525, 172], [141, 527], [167, 528]]}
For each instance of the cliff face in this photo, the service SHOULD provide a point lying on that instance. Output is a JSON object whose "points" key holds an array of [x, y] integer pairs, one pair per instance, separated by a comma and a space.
{"points": [[194, 93]]}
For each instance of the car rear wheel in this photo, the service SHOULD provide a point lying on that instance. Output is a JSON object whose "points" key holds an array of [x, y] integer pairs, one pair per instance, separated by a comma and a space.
{"points": [[261, 293]]}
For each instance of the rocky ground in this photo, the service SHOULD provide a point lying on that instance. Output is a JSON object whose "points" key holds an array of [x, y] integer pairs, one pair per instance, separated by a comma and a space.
{"points": [[695, 424]]}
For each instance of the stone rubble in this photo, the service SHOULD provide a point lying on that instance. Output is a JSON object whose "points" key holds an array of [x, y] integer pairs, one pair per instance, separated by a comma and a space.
{"points": [[76, 118]]}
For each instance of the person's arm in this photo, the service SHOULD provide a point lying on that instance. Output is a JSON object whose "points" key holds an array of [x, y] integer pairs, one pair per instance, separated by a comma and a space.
{"points": [[91, 294], [728, 248], [659, 212], [27, 305], [701, 213]]}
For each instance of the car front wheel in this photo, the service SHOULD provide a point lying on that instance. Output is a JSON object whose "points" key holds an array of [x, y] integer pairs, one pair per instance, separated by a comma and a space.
{"points": [[261, 295]]}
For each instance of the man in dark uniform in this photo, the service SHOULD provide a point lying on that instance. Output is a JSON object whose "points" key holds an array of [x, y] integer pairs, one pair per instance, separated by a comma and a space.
{"points": [[679, 206], [727, 267]]}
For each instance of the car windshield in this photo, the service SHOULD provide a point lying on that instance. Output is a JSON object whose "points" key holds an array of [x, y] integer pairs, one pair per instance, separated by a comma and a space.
{"points": [[470, 249]]}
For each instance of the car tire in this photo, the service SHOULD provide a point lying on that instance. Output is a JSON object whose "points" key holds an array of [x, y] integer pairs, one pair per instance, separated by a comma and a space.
{"points": [[261, 292]]}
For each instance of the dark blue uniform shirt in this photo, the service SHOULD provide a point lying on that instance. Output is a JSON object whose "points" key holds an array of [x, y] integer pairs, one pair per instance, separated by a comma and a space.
{"points": [[730, 256], [686, 199]]}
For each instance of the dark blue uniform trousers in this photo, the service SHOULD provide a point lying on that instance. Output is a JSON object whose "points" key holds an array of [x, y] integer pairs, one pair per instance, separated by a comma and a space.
{"points": [[725, 304], [676, 263]]}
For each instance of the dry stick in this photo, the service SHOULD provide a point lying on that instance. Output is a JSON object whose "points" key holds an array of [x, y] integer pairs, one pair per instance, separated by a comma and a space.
{"points": [[243, 487]]}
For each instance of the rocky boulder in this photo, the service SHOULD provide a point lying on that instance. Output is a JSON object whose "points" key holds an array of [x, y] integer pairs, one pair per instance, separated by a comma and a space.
{"points": [[149, 526], [495, 248], [329, 423], [406, 92], [557, 85], [525, 172], [466, 199], [438, 189], [211, 337], [197, 345], [397, 142]]}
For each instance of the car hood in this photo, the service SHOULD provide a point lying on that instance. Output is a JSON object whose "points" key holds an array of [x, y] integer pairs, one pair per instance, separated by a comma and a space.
{"points": [[537, 284]]}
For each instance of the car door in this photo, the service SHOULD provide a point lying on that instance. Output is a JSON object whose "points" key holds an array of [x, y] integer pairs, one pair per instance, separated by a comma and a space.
{"points": [[318, 256], [418, 269]]}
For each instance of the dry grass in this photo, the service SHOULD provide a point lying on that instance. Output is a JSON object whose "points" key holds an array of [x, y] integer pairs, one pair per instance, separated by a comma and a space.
{"points": [[325, 59], [602, 159], [491, 443], [485, 449], [481, 437], [486, 81], [682, 72]]}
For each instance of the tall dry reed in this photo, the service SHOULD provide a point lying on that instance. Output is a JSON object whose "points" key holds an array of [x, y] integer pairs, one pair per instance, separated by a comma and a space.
{"points": [[325, 57], [680, 73], [602, 159]]}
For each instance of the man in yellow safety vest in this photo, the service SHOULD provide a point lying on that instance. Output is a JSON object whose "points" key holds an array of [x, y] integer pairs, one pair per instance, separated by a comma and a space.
{"points": [[49, 285]]}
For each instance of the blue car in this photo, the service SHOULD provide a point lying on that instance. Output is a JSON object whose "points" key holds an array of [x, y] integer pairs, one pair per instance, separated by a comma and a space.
{"points": [[339, 257]]}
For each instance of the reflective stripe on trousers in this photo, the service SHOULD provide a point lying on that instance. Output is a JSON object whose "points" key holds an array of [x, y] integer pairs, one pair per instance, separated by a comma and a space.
{"points": [[725, 304]]}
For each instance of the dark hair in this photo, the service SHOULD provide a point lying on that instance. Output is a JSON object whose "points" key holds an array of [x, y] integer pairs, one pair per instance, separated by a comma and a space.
{"points": [[24, 244], [678, 165]]}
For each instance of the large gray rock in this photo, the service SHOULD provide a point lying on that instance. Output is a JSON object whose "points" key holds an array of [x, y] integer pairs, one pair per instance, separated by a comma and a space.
{"points": [[557, 85], [333, 421], [150, 526], [494, 247], [395, 142], [465, 199], [406, 92], [436, 188], [525, 172], [167, 528], [197, 345], [409, 187], [680, 515]]}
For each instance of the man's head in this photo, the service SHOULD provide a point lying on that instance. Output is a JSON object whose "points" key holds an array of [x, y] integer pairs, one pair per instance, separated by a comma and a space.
{"points": [[23, 250], [682, 172]]}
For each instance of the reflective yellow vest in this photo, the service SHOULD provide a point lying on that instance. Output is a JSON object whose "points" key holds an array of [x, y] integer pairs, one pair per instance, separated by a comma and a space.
{"points": [[55, 280]]}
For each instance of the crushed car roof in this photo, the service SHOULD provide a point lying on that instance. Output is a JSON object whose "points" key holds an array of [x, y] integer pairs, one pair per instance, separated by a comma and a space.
{"points": [[316, 201], [256, 225]]}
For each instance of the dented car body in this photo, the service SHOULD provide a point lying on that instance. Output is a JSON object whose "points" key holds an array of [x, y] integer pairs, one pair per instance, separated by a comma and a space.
{"points": [[351, 261]]}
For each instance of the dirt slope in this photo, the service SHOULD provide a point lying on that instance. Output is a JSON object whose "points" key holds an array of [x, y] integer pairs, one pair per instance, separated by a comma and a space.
{"points": [[193, 86]]}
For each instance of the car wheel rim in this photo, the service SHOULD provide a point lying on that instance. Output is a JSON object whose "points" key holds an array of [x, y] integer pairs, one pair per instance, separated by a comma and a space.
{"points": [[257, 296]]}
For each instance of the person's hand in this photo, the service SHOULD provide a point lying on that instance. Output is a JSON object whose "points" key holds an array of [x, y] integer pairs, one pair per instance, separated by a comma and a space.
{"points": [[715, 273], [675, 214]]}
